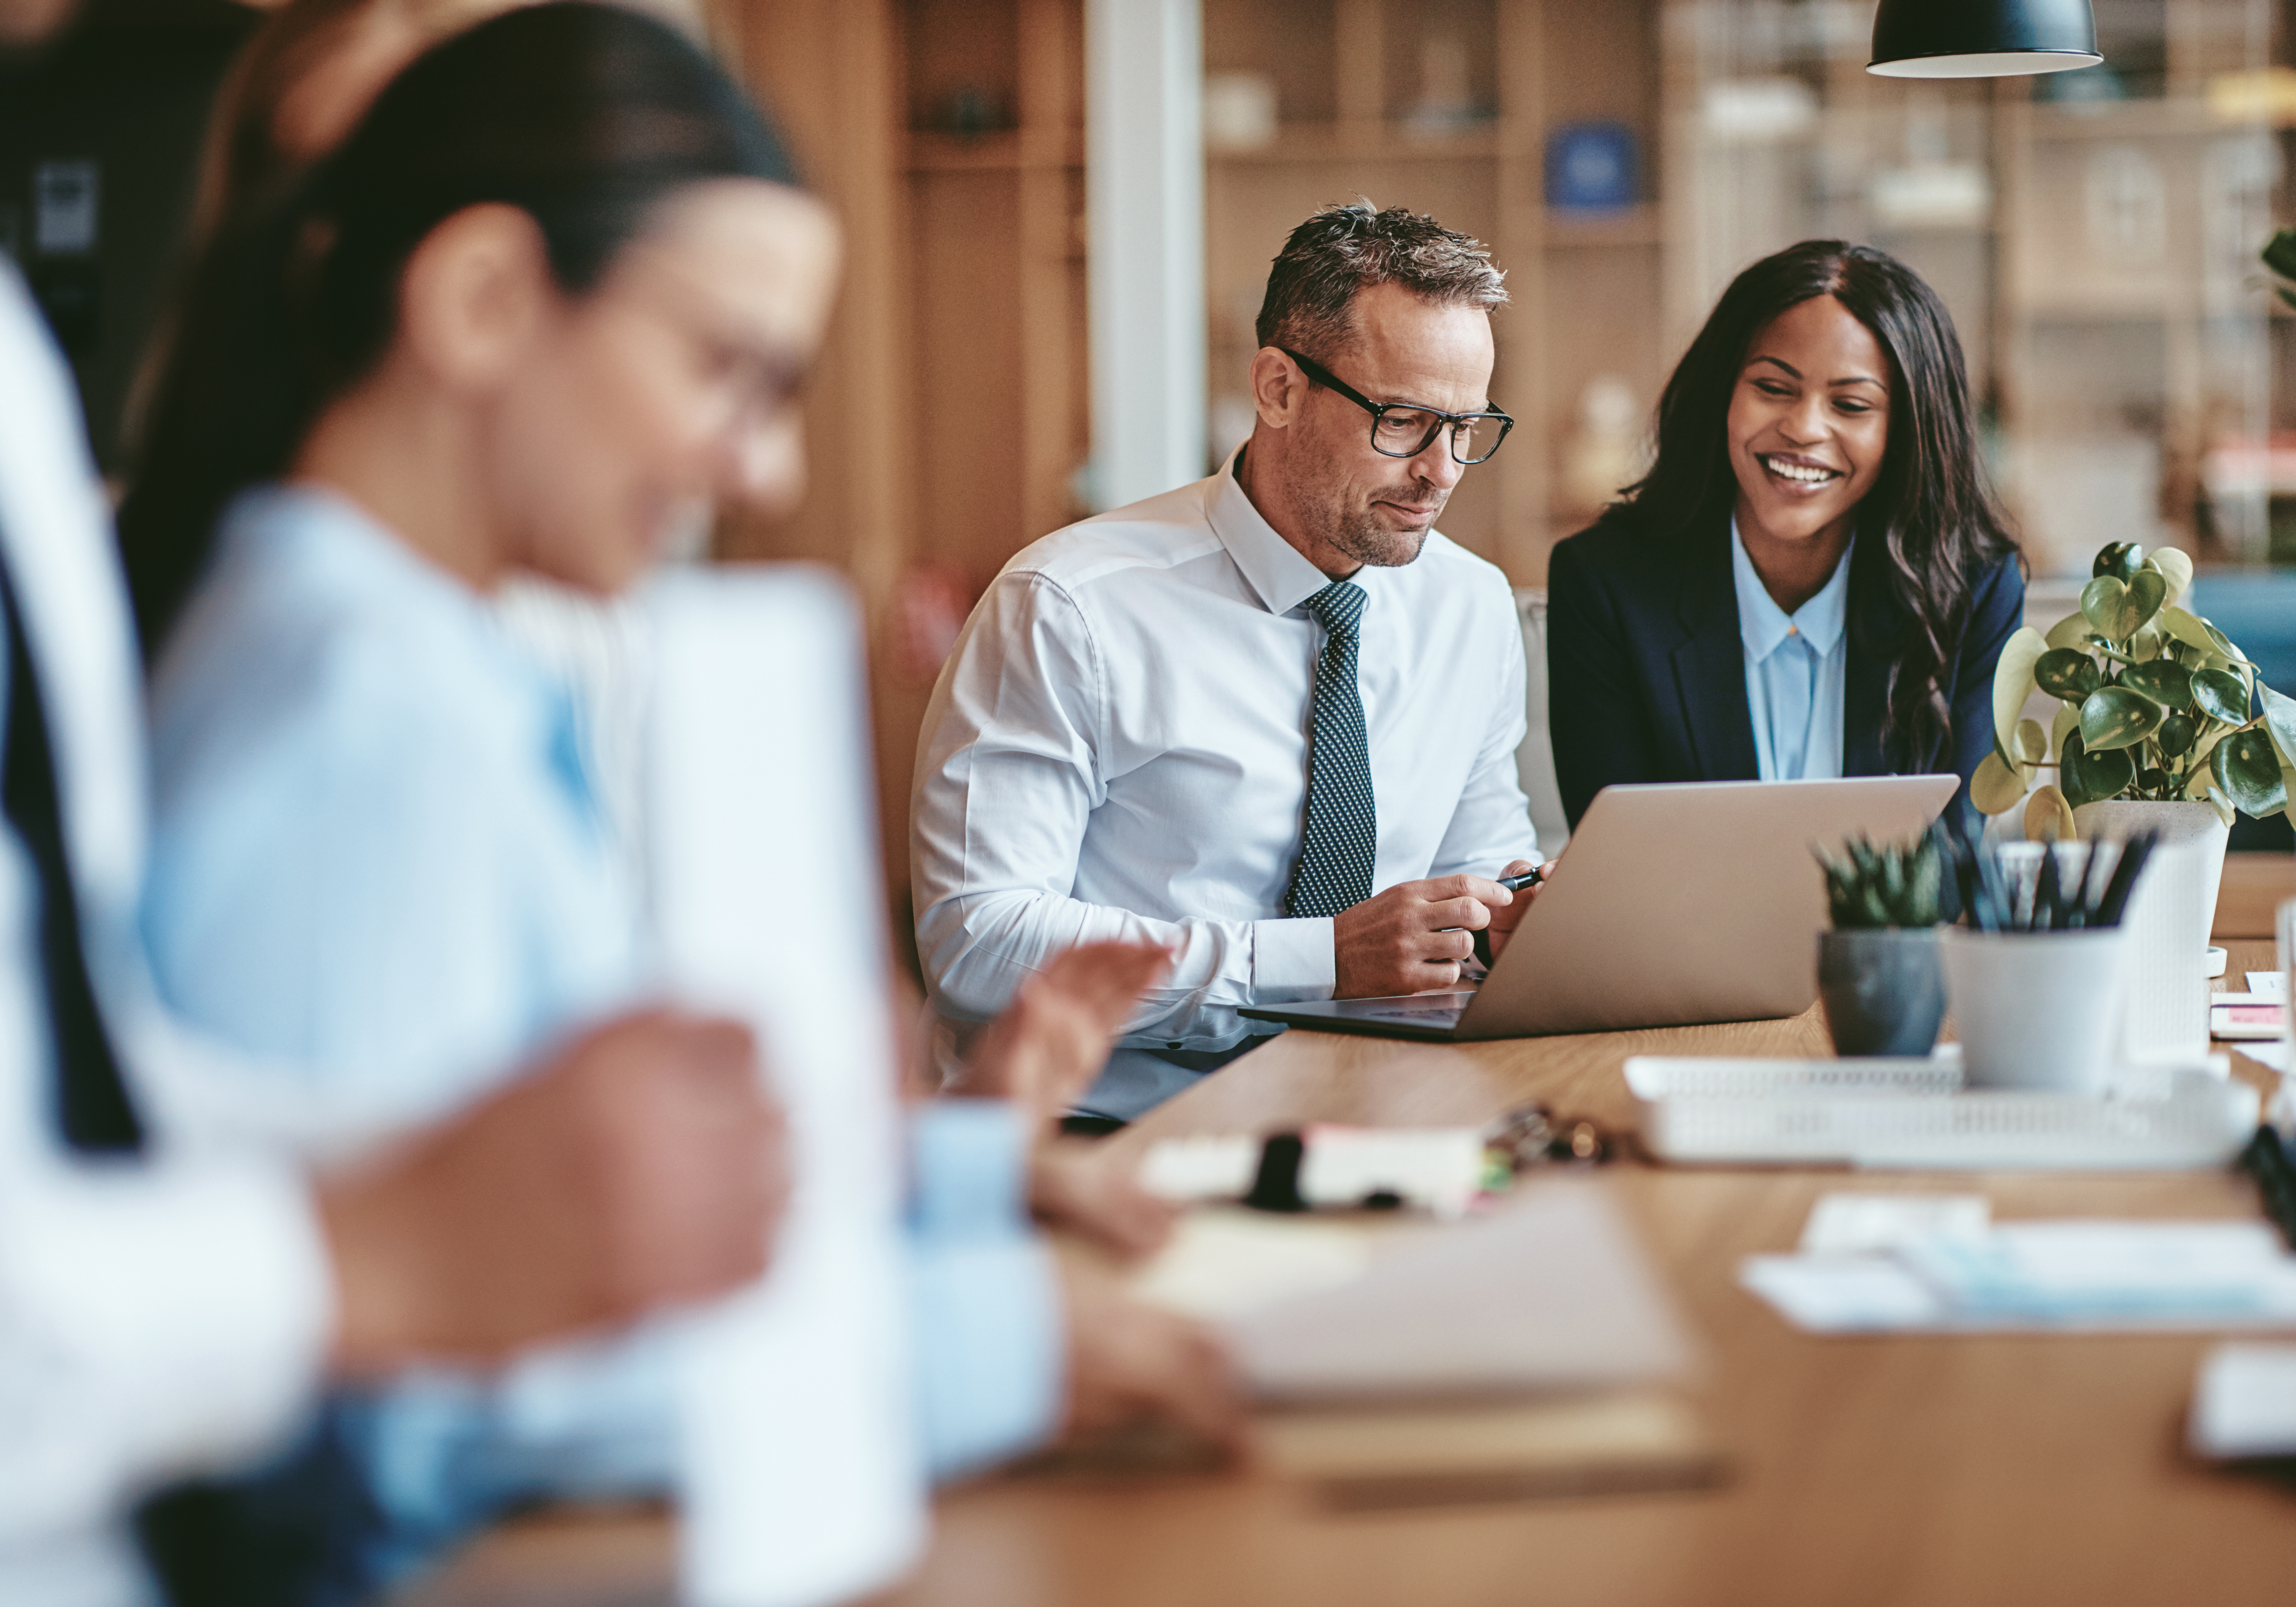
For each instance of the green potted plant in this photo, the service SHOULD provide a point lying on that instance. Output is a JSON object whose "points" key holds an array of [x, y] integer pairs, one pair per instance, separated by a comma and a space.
{"points": [[2163, 726], [1877, 968]]}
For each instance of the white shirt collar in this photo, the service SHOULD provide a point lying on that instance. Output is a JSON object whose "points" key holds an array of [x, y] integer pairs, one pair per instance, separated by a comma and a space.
{"points": [[1763, 626], [1278, 571]]}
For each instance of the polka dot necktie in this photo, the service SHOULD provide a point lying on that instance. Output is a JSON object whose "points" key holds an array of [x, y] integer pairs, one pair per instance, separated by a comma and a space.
{"points": [[1342, 835]]}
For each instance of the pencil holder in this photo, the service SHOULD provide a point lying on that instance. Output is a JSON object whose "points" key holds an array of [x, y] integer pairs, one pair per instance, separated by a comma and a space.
{"points": [[2035, 1011]]}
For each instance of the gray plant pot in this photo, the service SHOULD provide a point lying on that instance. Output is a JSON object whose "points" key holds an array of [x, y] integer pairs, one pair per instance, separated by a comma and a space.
{"points": [[1882, 990]]}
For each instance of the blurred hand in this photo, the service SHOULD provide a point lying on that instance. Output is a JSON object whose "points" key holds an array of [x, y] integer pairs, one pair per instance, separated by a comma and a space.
{"points": [[1075, 1184], [641, 1166], [1052, 1041], [1403, 940], [1130, 1363], [1505, 919]]}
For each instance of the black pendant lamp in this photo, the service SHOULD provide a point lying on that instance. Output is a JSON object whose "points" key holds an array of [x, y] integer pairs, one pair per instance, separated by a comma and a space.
{"points": [[1982, 38]]}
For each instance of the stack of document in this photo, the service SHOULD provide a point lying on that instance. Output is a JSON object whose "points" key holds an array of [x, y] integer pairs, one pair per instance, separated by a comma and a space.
{"points": [[2264, 988], [2257, 1020], [1530, 1352], [1938, 1270]]}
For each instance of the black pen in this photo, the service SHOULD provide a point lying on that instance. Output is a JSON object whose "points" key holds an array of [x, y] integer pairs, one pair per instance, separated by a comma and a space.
{"points": [[1513, 884]]}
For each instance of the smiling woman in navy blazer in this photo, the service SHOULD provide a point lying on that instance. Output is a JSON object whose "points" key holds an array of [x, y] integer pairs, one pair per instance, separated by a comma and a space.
{"points": [[1813, 580]]}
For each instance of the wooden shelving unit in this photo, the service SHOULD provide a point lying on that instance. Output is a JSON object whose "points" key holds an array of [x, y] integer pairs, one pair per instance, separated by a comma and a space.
{"points": [[1001, 420], [1351, 80], [949, 414], [2108, 296]]}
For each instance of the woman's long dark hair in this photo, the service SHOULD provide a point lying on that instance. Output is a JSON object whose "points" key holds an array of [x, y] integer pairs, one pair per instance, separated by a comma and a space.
{"points": [[1930, 513], [585, 115]]}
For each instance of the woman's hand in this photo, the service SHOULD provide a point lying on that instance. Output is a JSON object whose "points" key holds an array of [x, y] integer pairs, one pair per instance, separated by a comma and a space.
{"points": [[1054, 1039], [1075, 1184]]}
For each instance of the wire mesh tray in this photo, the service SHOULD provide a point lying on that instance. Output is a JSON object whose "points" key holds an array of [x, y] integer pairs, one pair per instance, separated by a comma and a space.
{"points": [[1914, 1113]]}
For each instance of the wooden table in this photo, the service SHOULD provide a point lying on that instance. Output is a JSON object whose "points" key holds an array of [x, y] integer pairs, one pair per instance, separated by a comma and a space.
{"points": [[2254, 886], [1880, 1472]]}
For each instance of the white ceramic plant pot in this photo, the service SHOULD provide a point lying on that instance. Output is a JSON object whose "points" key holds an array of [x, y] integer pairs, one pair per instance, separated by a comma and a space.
{"points": [[2035, 1011], [2167, 921]]}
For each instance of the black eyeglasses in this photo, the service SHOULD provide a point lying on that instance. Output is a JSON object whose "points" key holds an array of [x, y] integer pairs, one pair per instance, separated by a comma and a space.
{"points": [[1400, 429]]}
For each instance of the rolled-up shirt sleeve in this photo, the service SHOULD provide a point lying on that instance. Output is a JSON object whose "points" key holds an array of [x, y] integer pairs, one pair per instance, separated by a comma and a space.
{"points": [[1007, 778], [991, 1355]]}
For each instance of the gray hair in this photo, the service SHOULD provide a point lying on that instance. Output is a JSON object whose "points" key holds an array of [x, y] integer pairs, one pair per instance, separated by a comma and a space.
{"points": [[1341, 250]]}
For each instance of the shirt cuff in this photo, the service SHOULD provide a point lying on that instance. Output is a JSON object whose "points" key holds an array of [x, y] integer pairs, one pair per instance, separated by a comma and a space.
{"points": [[969, 1169], [182, 1312], [1293, 961], [991, 1352], [991, 1338]]}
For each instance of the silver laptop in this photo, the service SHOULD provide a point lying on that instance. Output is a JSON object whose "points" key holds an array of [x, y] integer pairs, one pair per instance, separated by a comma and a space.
{"points": [[1672, 904]]}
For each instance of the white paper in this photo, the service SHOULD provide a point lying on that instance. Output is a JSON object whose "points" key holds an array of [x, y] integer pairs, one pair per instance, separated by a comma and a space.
{"points": [[2244, 1403], [1438, 1169], [2269, 987], [2044, 1276], [2141, 1272], [1844, 1224], [803, 1483], [1843, 1294], [1201, 1166]]}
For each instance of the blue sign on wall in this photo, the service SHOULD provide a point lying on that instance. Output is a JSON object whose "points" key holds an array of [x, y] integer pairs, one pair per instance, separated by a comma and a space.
{"points": [[1590, 167]]}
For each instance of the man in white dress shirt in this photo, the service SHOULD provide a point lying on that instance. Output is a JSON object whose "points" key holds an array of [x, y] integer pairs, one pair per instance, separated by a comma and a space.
{"points": [[1268, 719]]}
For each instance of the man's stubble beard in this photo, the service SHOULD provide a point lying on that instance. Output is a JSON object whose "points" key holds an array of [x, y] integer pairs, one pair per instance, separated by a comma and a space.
{"points": [[1367, 541], [1360, 534]]}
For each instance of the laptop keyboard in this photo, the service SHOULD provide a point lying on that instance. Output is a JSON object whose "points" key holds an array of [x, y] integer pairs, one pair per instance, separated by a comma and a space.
{"points": [[1416, 1013]]}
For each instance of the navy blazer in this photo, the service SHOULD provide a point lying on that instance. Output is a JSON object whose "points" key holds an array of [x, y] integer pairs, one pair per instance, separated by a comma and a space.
{"points": [[1646, 673]]}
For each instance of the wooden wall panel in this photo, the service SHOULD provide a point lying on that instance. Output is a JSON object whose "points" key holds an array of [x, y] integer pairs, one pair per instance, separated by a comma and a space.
{"points": [[969, 406], [949, 411]]}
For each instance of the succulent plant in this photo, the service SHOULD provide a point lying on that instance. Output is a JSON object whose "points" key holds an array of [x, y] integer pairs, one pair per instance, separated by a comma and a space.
{"points": [[2158, 704], [1894, 884]]}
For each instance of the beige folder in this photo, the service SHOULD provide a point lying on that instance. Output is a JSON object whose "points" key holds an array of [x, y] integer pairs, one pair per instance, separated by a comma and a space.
{"points": [[1529, 1352]]}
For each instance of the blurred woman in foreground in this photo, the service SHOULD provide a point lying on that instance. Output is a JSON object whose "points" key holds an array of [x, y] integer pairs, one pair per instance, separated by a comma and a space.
{"points": [[555, 294], [305, 78]]}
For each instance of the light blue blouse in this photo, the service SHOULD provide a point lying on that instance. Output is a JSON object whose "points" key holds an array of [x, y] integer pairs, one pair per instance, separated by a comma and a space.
{"points": [[1796, 668], [378, 858]]}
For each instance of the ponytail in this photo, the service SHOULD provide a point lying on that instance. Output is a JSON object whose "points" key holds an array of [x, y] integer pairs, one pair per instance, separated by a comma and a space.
{"points": [[585, 116]]}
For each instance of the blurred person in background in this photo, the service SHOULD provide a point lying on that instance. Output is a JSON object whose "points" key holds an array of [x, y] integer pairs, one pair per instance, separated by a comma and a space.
{"points": [[555, 295], [1267, 720], [169, 1300], [1813, 580]]}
